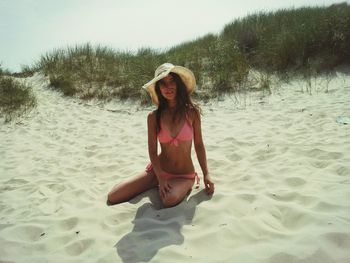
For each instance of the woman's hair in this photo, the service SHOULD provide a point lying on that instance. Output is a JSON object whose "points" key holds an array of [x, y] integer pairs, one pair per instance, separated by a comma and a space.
{"points": [[183, 101]]}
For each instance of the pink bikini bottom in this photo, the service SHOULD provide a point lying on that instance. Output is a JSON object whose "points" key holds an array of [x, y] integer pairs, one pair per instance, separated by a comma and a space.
{"points": [[168, 176]]}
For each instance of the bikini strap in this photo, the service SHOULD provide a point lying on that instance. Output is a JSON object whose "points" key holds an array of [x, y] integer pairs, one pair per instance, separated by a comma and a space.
{"points": [[186, 115], [197, 180], [188, 119]]}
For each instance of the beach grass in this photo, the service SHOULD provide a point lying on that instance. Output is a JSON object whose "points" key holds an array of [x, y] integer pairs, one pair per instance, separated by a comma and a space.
{"points": [[294, 39], [15, 98], [284, 42], [98, 72]]}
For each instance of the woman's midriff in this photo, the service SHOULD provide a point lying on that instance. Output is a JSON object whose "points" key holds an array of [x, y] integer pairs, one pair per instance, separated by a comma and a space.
{"points": [[176, 163], [168, 176], [176, 160]]}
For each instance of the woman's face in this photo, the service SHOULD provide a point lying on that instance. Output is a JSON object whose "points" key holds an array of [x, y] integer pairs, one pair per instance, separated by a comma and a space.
{"points": [[167, 86]]}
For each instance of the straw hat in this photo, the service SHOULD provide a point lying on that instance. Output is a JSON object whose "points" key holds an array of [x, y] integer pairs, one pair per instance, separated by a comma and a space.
{"points": [[162, 71]]}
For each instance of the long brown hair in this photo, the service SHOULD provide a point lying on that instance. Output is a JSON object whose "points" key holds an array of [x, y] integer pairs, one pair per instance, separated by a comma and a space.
{"points": [[183, 101]]}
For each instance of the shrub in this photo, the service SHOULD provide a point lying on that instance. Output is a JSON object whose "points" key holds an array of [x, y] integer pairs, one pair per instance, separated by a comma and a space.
{"points": [[15, 98], [285, 41], [64, 84]]}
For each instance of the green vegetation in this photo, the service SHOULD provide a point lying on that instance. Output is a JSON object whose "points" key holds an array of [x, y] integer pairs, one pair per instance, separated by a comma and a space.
{"points": [[98, 72], [301, 41], [15, 98], [294, 39]]}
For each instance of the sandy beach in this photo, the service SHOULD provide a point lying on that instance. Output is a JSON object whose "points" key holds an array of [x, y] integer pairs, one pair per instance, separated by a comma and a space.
{"points": [[280, 162]]}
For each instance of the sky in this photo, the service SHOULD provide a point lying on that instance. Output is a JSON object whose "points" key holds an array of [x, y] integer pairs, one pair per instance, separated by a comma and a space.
{"points": [[31, 28]]}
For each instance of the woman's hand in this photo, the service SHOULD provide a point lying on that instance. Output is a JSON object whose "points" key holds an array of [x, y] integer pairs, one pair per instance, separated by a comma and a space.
{"points": [[164, 187], [208, 183]]}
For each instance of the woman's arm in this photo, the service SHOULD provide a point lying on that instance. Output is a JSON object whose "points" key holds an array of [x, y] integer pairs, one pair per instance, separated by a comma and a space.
{"points": [[152, 142], [200, 151], [164, 186], [198, 143]]}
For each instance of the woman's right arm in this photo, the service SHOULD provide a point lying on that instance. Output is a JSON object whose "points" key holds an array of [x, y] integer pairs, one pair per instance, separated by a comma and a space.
{"points": [[164, 186], [152, 142]]}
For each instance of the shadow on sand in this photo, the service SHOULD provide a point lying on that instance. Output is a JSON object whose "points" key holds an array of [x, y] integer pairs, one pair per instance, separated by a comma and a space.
{"points": [[155, 229]]}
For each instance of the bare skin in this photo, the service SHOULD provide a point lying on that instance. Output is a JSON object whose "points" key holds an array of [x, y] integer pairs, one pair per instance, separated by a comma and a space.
{"points": [[175, 160]]}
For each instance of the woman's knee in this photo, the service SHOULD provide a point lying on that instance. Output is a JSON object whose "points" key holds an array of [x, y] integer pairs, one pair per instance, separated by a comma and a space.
{"points": [[171, 200], [109, 202], [115, 195], [111, 198]]}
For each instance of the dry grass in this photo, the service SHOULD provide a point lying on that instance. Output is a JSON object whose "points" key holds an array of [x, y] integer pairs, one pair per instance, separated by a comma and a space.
{"points": [[284, 42], [15, 98]]}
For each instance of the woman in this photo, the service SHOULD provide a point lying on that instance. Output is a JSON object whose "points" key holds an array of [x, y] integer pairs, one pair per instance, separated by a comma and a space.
{"points": [[175, 123]]}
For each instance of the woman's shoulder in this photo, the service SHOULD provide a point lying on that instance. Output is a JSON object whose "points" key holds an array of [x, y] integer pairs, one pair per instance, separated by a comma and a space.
{"points": [[193, 114], [152, 115]]}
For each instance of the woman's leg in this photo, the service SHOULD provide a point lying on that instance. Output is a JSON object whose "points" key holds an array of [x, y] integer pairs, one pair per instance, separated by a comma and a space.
{"points": [[127, 190], [179, 189]]}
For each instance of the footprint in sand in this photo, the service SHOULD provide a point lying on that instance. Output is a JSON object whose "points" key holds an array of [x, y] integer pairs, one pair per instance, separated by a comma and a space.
{"points": [[23, 233], [295, 181], [321, 154], [68, 224], [342, 171], [89, 153], [250, 198], [338, 239], [320, 164], [294, 218], [234, 157], [78, 247]]}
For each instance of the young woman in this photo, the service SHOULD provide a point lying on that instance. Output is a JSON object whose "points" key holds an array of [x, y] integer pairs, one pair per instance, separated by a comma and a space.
{"points": [[175, 123]]}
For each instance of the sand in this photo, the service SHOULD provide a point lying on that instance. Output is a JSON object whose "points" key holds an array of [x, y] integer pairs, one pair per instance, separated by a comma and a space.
{"points": [[280, 162]]}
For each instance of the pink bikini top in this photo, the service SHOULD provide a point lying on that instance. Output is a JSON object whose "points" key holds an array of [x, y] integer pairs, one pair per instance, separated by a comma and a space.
{"points": [[185, 134]]}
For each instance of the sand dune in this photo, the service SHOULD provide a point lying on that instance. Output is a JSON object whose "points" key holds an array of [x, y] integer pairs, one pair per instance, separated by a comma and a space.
{"points": [[280, 162]]}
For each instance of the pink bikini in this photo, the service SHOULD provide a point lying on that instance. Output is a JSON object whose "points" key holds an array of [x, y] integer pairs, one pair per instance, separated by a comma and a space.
{"points": [[185, 134]]}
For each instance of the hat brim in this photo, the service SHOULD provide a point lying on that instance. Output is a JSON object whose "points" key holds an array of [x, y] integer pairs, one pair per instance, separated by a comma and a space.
{"points": [[185, 74]]}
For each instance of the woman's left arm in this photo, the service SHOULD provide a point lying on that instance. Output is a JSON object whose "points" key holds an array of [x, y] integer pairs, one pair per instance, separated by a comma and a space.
{"points": [[200, 151]]}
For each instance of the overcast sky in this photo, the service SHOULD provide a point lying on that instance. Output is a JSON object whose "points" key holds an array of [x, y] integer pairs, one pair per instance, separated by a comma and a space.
{"points": [[30, 28]]}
